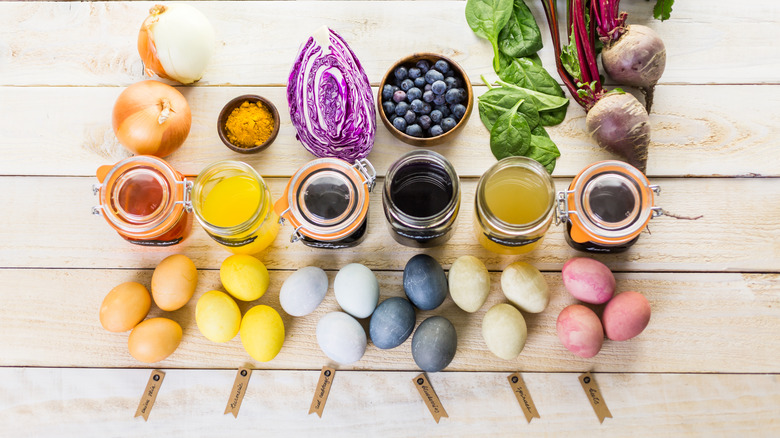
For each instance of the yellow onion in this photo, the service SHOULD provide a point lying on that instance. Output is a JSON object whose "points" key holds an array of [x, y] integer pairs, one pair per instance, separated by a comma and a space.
{"points": [[176, 41], [151, 118]]}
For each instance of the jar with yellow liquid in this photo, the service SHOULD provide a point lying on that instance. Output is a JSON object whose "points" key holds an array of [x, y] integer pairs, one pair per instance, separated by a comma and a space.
{"points": [[233, 204], [514, 206]]}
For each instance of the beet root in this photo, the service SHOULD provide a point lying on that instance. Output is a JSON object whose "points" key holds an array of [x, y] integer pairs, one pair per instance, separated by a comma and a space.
{"points": [[620, 124], [637, 59]]}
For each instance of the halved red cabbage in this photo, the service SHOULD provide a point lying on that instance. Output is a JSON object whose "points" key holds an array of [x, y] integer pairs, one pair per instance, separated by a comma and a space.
{"points": [[330, 99]]}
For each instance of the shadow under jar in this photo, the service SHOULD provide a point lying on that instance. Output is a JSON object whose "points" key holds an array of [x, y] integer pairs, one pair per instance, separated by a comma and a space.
{"points": [[421, 199]]}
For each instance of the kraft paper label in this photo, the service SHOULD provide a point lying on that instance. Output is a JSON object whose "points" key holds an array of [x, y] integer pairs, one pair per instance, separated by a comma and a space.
{"points": [[523, 396], [429, 397], [323, 389], [591, 389], [150, 394], [238, 391]]}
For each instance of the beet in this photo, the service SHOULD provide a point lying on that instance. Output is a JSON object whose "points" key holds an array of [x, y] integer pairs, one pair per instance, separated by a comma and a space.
{"points": [[619, 123]]}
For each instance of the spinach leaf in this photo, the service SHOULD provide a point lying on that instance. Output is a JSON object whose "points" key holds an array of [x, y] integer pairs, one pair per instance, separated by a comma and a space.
{"points": [[497, 101], [552, 117], [510, 135], [521, 35], [527, 74], [540, 131], [663, 9], [544, 151], [486, 18], [544, 101]]}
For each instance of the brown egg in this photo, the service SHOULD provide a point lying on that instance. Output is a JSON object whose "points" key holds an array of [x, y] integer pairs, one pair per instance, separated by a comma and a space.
{"points": [[124, 307], [154, 339], [173, 282]]}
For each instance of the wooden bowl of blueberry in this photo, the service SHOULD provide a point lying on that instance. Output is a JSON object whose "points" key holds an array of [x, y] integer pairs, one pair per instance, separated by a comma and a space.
{"points": [[425, 99]]}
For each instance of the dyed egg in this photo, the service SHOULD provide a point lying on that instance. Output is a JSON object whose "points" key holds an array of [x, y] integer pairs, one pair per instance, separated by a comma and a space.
{"points": [[154, 339], [626, 315], [469, 283], [217, 316], [262, 333], [245, 277], [392, 323], [424, 282], [357, 290], [504, 331], [341, 337], [525, 287], [580, 330], [124, 307], [588, 280], [434, 344], [303, 291], [173, 282]]}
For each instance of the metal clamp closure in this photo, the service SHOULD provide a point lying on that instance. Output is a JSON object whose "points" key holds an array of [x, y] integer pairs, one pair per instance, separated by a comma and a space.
{"points": [[296, 235], [562, 207], [95, 190], [367, 170], [186, 202], [657, 211]]}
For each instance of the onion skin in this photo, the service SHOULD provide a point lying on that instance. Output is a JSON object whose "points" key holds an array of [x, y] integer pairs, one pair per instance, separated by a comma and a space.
{"points": [[637, 58], [620, 124], [140, 123]]}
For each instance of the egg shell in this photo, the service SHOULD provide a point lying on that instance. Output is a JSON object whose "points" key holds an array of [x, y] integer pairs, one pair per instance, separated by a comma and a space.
{"points": [[245, 277], [626, 316], [425, 283], [504, 331], [588, 280], [341, 337], [303, 291], [525, 287], [262, 333], [173, 282], [392, 323], [125, 306], [580, 330], [469, 283], [217, 316], [154, 339], [434, 344], [357, 290]]}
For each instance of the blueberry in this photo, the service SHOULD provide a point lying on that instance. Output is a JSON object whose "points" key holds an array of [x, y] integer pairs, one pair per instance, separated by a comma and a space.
{"points": [[417, 105], [401, 73], [453, 96], [439, 100], [387, 92], [389, 108], [424, 66], [428, 96], [448, 123], [406, 84], [445, 110], [427, 87], [433, 76], [449, 74], [399, 96], [439, 87], [414, 73], [436, 131], [399, 123], [442, 66], [419, 82], [414, 130], [413, 93], [452, 82], [424, 121], [426, 109], [436, 116], [401, 109], [458, 111], [410, 117]]}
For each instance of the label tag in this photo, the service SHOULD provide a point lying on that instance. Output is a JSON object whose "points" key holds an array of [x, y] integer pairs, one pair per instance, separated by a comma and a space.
{"points": [[322, 391], [591, 389], [517, 384], [429, 397], [238, 391], [150, 394]]}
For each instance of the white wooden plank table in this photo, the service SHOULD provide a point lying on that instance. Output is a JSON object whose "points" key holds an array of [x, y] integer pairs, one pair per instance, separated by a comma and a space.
{"points": [[708, 364]]}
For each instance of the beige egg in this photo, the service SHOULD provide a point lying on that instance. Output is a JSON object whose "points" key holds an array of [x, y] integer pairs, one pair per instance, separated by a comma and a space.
{"points": [[124, 307], [154, 339], [173, 282]]}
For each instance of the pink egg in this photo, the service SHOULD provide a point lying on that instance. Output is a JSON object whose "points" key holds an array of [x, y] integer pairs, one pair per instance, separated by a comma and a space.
{"points": [[580, 331], [588, 280], [626, 315]]}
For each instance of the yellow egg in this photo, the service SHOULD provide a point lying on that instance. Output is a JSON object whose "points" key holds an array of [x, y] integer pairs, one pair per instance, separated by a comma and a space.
{"points": [[173, 282], [244, 277], [124, 307], [262, 333], [217, 316], [154, 339]]}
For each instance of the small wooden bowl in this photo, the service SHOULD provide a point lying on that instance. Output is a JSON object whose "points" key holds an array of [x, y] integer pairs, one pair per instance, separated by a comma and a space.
{"points": [[411, 60], [235, 103]]}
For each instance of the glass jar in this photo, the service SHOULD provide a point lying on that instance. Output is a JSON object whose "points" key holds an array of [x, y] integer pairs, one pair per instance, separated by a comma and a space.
{"points": [[145, 200], [326, 201], [606, 207], [513, 206], [421, 199], [233, 204]]}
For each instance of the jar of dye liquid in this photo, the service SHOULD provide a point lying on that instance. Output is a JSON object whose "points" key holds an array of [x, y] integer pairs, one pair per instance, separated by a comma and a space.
{"points": [[145, 200], [233, 204], [326, 201], [606, 207], [513, 206], [421, 199]]}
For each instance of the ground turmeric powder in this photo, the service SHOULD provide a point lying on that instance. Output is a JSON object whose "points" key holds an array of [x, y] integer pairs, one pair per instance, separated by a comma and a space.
{"points": [[249, 125]]}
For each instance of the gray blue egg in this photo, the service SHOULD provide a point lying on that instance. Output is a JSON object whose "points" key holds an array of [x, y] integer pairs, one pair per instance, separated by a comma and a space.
{"points": [[434, 344], [391, 323], [425, 282]]}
